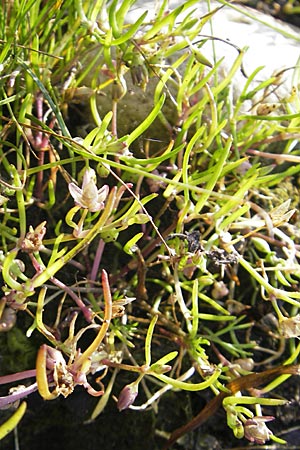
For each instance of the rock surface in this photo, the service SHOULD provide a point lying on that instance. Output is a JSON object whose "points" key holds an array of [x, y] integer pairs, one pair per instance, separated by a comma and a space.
{"points": [[270, 43]]}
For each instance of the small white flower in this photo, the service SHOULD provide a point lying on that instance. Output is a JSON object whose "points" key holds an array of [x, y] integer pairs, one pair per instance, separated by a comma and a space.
{"points": [[89, 197], [33, 241]]}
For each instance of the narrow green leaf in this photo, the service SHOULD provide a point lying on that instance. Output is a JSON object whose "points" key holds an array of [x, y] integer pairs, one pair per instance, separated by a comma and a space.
{"points": [[147, 122]]}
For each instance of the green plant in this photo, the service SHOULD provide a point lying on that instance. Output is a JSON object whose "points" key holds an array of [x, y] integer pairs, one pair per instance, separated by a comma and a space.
{"points": [[195, 233]]}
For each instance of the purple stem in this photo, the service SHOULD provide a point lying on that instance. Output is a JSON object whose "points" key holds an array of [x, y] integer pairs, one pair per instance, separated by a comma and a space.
{"points": [[11, 398], [17, 376], [38, 146], [88, 314], [97, 260]]}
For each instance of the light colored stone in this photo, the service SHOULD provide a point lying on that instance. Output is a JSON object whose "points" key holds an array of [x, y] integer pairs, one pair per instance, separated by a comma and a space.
{"points": [[271, 44]]}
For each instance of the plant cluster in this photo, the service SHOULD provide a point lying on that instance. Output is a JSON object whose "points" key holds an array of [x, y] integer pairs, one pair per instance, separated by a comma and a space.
{"points": [[112, 244]]}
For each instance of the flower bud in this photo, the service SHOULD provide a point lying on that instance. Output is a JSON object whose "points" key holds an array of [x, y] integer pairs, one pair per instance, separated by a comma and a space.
{"points": [[290, 326], [245, 363], [257, 431], [261, 245], [127, 395], [8, 319], [219, 290]]}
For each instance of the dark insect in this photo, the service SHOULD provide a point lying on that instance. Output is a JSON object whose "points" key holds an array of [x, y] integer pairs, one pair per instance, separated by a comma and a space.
{"points": [[192, 238]]}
